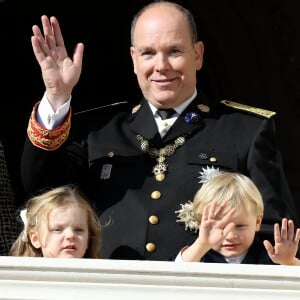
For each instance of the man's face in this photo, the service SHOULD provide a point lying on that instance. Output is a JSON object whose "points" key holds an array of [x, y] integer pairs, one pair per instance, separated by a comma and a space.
{"points": [[164, 57]]}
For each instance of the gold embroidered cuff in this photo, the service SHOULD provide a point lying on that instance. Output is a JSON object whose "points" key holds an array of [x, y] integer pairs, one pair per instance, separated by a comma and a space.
{"points": [[44, 138]]}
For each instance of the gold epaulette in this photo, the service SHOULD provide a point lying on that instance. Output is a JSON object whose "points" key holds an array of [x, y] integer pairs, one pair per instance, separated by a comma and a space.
{"points": [[44, 138], [255, 110]]}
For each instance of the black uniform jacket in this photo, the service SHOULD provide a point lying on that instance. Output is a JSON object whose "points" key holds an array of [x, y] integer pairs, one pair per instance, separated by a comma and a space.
{"points": [[256, 255], [104, 156]]}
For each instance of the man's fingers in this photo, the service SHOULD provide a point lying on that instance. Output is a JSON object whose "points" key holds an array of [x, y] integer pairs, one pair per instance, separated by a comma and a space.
{"points": [[38, 41], [38, 51], [57, 32], [48, 32], [78, 55]]}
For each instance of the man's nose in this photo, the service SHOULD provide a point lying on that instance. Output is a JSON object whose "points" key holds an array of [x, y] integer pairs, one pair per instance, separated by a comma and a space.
{"points": [[162, 63]]}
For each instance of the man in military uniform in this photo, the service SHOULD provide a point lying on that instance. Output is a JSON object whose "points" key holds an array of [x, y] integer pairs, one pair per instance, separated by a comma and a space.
{"points": [[139, 165]]}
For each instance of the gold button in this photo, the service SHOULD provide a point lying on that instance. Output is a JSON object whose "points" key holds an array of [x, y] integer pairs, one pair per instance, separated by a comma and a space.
{"points": [[153, 220], [155, 195], [166, 124], [150, 247], [110, 154], [213, 159], [160, 177]]}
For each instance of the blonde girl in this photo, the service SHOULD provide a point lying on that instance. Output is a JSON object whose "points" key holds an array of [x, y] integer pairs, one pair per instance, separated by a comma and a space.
{"points": [[59, 223]]}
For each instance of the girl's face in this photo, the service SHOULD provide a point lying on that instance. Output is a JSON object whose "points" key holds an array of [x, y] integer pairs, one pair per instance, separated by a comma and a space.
{"points": [[65, 234], [241, 237]]}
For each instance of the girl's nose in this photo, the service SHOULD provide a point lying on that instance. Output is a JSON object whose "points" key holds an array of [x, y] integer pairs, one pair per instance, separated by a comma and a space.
{"points": [[70, 234]]}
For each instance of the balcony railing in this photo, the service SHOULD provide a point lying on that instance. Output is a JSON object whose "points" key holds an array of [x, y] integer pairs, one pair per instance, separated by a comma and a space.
{"points": [[52, 278]]}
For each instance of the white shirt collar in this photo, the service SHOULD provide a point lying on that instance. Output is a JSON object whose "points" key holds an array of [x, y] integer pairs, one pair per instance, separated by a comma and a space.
{"points": [[236, 260]]}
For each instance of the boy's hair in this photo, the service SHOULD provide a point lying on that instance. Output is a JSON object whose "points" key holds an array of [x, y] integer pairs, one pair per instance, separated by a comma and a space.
{"points": [[37, 210], [236, 189]]}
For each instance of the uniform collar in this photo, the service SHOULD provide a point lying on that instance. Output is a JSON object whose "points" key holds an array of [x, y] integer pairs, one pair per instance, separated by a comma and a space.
{"points": [[143, 123]]}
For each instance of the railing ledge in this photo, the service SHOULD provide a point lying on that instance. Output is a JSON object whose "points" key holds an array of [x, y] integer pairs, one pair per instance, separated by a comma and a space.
{"points": [[52, 278]]}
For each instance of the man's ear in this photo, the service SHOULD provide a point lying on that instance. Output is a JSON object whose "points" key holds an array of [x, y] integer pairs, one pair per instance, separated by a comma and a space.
{"points": [[133, 57], [34, 238], [258, 222], [199, 52]]}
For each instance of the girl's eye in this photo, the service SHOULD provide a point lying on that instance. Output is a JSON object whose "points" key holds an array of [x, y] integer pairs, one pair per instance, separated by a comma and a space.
{"points": [[56, 229]]}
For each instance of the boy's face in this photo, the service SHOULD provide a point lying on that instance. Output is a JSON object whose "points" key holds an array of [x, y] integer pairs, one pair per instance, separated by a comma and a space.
{"points": [[241, 237]]}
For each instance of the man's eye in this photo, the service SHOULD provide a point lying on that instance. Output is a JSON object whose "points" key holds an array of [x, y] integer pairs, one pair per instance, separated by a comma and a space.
{"points": [[175, 52], [147, 54]]}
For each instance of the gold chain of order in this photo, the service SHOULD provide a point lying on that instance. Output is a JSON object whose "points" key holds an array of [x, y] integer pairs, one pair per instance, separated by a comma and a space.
{"points": [[161, 167]]}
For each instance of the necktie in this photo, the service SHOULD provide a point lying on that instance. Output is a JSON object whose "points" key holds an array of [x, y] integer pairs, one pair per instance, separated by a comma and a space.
{"points": [[166, 113]]}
